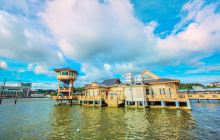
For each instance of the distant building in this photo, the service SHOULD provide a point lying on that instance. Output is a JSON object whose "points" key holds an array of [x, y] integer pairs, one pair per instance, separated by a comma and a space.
{"points": [[13, 91], [214, 84], [197, 87]]}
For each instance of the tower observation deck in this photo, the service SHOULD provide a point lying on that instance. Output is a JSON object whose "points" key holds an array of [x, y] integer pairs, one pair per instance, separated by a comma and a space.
{"points": [[66, 78]]}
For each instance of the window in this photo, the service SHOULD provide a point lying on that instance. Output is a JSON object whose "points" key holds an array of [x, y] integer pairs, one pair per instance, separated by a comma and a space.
{"points": [[64, 73], [163, 90], [152, 91], [169, 90], [147, 91], [160, 91]]}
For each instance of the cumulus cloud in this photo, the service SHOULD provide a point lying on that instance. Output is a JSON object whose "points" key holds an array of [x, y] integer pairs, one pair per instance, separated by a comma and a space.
{"points": [[30, 67], [21, 71], [204, 79], [44, 85], [3, 65], [107, 38], [98, 34], [199, 37], [43, 70], [204, 69], [22, 42]]}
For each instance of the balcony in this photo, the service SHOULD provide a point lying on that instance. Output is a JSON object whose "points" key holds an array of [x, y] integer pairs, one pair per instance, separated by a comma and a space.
{"points": [[164, 97], [65, 97], [91, 98], [211, 96], [66, 89], [66, 77]]}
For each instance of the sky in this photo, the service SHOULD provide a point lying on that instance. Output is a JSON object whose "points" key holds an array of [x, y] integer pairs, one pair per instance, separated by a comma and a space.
{"points": [[104, 39]]}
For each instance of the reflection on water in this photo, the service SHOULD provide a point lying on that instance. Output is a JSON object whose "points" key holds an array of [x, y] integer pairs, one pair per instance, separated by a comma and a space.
{"points": [[40, 119]]}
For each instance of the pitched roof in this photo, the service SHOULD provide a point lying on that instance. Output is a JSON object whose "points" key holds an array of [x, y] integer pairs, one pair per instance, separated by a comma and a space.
{"points": [[91, 85], [160, 80], [110, 82], [65, 69], [149, 75]]}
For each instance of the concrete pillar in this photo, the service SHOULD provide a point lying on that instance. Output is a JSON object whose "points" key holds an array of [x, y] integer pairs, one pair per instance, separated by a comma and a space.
{"points": [[126, 104], [100, 102], [146, 103], [136, 103], [177, 104], [188, 104], [93, 102], [162, 103], [143, 103]]}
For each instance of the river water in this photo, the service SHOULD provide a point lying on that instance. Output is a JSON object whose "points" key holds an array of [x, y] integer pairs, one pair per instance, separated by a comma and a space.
{"points": [[41, 119]]}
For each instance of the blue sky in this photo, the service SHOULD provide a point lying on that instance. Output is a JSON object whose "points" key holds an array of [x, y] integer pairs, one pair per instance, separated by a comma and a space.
{"points": [[107, 38]]}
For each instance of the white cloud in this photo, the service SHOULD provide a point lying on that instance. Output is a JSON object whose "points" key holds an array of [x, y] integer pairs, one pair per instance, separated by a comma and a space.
{"points": [[204, 79], [3, 65], [200, 37], [30, 67], [43, 70], [97, 34], [105, 32], [92, 74], [21, 71], [23, 41], [44, 85], [107, 67], [204, 69]]}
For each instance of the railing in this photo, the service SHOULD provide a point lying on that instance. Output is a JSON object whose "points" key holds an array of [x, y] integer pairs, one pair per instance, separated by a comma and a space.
{"points": [[64, 97], [165, 97], [84, 97], [64, 89], [115, 97], [203, 96], [66, 77]]}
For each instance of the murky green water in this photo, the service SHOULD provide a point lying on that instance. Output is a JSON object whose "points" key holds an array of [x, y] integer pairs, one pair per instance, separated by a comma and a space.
{"points": [[40, 119]]}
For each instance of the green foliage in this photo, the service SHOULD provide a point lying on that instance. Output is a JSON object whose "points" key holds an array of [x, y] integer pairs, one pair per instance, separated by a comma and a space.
{"points": [[189, 85], [46, 91], [78, 89]]}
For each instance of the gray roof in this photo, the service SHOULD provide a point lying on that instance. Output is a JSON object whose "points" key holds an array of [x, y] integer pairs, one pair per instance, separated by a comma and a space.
{"points": [[110, 82], [158, 80]]}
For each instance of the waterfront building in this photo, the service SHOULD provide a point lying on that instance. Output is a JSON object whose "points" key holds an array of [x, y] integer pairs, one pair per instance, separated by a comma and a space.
{"points": [[154, 91], [94, 94], [144, 90], [22, 90], [214, 84], [115, 95], [66, 78], [102, 94]]}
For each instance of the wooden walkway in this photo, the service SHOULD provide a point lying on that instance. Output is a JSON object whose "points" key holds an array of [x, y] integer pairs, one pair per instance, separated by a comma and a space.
{"points": [[206, 95]]}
